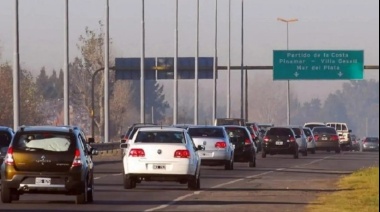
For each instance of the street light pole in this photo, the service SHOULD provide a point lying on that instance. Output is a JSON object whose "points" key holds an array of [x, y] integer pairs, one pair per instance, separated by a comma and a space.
{"points": [[196, 90], [287, 21], [229, 62], [16, 73]]}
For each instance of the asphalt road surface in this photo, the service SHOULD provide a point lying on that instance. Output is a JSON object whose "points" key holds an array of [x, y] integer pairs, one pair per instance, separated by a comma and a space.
{"points": [[278, 183]]}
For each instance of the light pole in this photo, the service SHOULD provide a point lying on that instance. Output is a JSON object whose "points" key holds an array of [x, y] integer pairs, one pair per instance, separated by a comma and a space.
{"points": [[287, 21]]}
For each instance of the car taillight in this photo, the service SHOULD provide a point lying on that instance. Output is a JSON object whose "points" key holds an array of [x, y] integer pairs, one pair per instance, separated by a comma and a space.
{"points": [[183, 153], [316, 137], [247, 141], [309, 138], [137, 153], [77, 160], [266, 139], [292, 139], [221, 144], [9, 157], [334, 138]]}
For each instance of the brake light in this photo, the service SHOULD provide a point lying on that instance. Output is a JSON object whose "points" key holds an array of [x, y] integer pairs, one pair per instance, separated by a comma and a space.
{"points": [[309, 138], [221, 144], [266, 139], [247, 141], [334, 138], [77, 160], [316, 137], [9, 157], [183, 153], [137, 153], [292, 139]]}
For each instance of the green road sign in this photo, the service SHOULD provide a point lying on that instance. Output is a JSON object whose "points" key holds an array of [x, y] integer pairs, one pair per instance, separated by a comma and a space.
{"points": [[318, 65]]}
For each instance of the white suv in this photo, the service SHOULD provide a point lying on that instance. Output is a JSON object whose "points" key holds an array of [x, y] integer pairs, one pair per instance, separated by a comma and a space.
{"points": [[343, 133]]}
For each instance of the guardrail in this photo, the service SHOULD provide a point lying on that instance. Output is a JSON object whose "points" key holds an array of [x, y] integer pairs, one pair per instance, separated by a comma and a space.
{"points": [[107, 147]]}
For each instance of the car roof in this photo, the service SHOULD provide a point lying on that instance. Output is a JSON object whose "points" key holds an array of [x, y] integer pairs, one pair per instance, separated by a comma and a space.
{"points": [[47, 128], [321, 123], [5, 128], [209, 126], [172, 129]]}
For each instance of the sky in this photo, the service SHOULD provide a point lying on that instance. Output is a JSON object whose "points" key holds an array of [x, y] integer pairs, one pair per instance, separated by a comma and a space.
{"points": [[321, 25]]}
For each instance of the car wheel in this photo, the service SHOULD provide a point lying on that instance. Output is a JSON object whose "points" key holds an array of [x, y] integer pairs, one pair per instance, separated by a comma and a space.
{"points": [[82, 197], [128, 182], [296, 152], [90, 195], [304, 153], [194, 183], [6, 195], [229, 164], [252, 162], [263, 154], [313, 151]]}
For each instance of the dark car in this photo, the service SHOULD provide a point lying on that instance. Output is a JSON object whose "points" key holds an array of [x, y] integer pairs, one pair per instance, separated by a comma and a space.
{"points": [[245, 148], [133, 129], [48, 160], [256, 138], [370, 144], [326, 138], [6, 135], [280, 140]]}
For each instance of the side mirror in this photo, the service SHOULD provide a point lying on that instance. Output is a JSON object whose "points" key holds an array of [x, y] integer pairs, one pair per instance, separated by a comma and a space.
{"points": [[91, 140], [122, 141], [350, 131], [94, 151], [124, 146], [200, 147]]}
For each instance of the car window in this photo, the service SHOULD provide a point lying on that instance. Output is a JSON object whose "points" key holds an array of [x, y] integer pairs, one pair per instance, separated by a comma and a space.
{"points": [[344, 127], [307, 132], [5, 139], [324, 130], [297, 131], [236, 132], [279, 132], [206, 132], [44, 142], [160, 137]]}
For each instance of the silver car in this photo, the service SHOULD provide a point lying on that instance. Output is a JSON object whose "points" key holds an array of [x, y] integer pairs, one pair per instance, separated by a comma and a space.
{"points": [[311, 145], [218, 150], [301, 140]]}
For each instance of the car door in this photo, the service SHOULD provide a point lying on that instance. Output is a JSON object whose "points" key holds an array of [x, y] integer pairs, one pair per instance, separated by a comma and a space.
{"points": [[195, 161]]}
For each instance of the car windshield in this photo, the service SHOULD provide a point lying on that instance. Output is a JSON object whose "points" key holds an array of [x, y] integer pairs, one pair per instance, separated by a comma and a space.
{"points": [[206, 132], [44, 142], [160, 137]]}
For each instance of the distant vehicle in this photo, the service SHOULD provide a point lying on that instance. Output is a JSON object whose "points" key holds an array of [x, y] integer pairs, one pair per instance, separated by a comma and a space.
{"points": [[355, 143], [48, 160], [229, 121], [245, 148], [311, 145], [264, 127], [161, 154], [370, 144], [326, 138], [218, 149], [6, 135], [311, 125], [280, 140], [343, 133]]}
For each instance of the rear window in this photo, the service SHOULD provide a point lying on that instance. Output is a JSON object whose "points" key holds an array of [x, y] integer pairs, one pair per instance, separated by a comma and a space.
{"points": [[307, 132], [160, 137], [311, 126], [5, 139], [206, 132], [279, 132], [372, 140], [133, 131], [235, 132], [51, 142], [324, 130], [297, 131]]}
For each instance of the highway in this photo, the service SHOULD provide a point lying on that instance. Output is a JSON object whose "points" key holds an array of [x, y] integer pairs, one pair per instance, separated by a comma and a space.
{"points": [[278, 183]]}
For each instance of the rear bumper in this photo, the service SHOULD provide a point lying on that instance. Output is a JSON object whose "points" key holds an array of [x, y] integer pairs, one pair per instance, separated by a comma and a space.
{"points": [[160, 177], [272, 149], [327, 145]]}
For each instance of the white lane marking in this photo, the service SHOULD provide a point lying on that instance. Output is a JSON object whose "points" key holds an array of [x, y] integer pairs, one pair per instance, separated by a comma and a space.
{"points": [[97, 178], [220, 185], [116, 174]]}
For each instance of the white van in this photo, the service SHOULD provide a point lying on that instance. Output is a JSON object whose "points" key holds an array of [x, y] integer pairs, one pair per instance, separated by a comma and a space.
{"points": [[343, 133]]}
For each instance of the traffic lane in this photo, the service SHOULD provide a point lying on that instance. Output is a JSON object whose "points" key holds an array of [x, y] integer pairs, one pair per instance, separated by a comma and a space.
{"points": [[290, 189], [109, 194]]}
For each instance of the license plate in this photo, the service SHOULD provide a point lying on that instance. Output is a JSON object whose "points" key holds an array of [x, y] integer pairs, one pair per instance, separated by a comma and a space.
{"points": [[204, 154], [159, 166], [371, 147], [324, 138], [43, 181], [279, 143]]}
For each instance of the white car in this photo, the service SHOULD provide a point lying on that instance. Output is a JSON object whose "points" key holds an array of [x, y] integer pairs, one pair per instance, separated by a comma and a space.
{"points": [[311, 145], [161, 154]]}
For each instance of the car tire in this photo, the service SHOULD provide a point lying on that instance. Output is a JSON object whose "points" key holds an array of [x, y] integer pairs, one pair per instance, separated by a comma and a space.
{"points": [[229, 165], [252, 162], [263, 154], [313, 151], [82, 197], [304, 153], [90, 193], [6, 194], [296, 153], [128, 182], [194, 183]]}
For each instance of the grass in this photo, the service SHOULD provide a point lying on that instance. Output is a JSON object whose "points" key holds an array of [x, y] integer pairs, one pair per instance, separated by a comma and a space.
{"points": [[359, 192]]}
